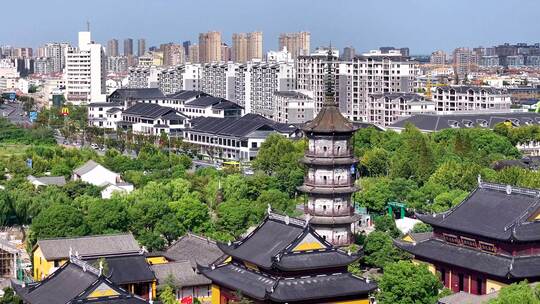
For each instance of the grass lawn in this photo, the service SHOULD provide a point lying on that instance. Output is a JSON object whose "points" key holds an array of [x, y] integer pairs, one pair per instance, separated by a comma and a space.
{"points": [[7, 150]]}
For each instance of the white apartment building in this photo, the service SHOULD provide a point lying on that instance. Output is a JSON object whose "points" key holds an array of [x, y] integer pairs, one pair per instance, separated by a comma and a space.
{"points": [[140, 77], [378, 73], [218, 79], [258, 81], [387, 108], [118, 64], [57, 53], [234, 139], [43, 65], [8, 75], [455, 99], [104, 114], [178, 78], [311, 73], [293, 107], [85, 72], [153, 119]]}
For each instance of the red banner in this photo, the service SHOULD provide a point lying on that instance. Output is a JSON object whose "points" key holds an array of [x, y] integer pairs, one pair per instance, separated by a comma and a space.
{"points": [[187, 300]]}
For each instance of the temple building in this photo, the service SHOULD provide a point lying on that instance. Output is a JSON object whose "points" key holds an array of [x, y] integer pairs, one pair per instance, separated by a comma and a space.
{"points": [[284, 260], [489, 240], [76, 281], [329, 183]]}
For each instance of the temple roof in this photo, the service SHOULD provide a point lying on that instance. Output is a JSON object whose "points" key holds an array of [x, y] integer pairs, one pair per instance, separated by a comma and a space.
{"points": [[259, 286], [127, 269], [278, 243], [493, 211], [315, 259], [194, 248], [75, 282], [497, 265]]}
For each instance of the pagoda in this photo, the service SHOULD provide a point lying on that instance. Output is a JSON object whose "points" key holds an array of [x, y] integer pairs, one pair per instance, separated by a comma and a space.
{"points": [[330, 183], [489, 240], [284, 260]]}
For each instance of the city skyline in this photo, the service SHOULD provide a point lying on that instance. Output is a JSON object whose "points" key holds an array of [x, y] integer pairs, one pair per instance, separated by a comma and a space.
{"points": [[366, 25]]}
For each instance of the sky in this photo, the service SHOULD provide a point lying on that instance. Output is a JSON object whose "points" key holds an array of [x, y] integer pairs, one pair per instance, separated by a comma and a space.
{"points": [[421, 25]]}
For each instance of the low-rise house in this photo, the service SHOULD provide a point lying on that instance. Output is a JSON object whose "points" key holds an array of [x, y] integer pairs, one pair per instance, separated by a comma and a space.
{"points": [[97, 175], [153, 119], [76, 281], [234, 138], [98, 113], [49, 254], [210, 106], [452, 99], [116, 188], [181, 260], [47, 180]]}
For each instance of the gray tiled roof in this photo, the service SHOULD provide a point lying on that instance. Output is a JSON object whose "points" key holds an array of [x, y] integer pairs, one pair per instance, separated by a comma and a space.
{"points": [[49, 180], [238, 127], [150, 110], [194, 248], [126, 269], [432, 122], [186, 94], [97, 245], [182, 272], [137, 93], [491, 212], [215, 102], [86, 167]]}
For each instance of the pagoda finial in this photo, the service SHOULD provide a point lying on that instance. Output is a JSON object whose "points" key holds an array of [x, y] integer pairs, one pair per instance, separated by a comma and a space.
{"points": [[329, 96]]}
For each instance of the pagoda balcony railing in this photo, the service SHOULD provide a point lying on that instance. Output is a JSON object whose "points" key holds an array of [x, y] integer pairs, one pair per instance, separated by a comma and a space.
{"points": [[344, 182], [329, 212], [343, 241], [328, 154]]}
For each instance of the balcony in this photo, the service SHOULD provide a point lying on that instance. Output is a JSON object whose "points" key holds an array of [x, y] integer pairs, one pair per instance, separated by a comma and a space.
{"points": [[344, 211], [329, 183]]}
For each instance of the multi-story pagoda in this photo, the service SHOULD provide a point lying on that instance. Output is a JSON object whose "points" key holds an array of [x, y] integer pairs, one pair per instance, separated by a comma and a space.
{"points": [[488, 241], [329, 183], [285, 261]]}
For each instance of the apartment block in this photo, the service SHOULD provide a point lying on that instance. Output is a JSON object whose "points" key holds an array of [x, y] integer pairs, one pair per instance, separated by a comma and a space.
{"points": [[387, 108], [210, 47], [298, 44], [85, 71], [455, 99], [293, 107]]}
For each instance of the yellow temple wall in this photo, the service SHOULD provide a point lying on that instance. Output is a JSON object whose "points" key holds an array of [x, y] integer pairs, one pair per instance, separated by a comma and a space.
{"points": [[216, 294], [42, 267], [430, 266], [363, 301], [493, 285]]}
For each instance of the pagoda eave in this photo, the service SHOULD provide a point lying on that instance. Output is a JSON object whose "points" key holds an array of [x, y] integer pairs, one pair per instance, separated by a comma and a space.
{"points": [[309, 160], [328, 190], [334, 220]]}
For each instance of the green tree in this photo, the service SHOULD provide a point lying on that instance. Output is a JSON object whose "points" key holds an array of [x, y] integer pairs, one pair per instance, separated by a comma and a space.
{"points": [[279, 201], [386, 223], [192, 214], [58, 220], [376, 162], [421, 228], [107, 216], [167, 296], [406, 283], [10, 297], [379, 250], [518, 293]]}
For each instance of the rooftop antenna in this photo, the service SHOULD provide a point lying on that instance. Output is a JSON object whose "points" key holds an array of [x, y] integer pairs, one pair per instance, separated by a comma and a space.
{"points": [[88, 26]]}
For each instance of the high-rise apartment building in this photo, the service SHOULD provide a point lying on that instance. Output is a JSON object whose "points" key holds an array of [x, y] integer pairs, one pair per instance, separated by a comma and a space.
{"points": [[57, 52], [173, 54], [247, 46], [186, 45], [85, 71], [239, 47], [141, 47], [112, 48], [376, 73], [218, 79], [296, 43], [348, 53], [438, 57], [128, 47], [193, 53], [23, 52], [463, 60], [210, 47], [225, 52], [117, 64]]}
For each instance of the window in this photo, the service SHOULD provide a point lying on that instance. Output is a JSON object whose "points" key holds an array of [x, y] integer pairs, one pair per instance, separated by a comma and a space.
{"points": [[468, 242], [487, 247], [450, 238]]}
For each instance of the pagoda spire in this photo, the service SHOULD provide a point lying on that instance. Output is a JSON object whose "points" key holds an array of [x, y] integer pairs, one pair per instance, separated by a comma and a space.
{"points": [[330, 94]]}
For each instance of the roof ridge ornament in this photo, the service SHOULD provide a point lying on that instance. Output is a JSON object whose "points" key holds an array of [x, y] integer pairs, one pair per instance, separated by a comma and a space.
{"points": [[269, 209], [479, 181]]}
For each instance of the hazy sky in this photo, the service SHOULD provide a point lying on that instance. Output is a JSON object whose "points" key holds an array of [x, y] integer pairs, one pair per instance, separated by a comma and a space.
{"points": [[422, 25]]}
